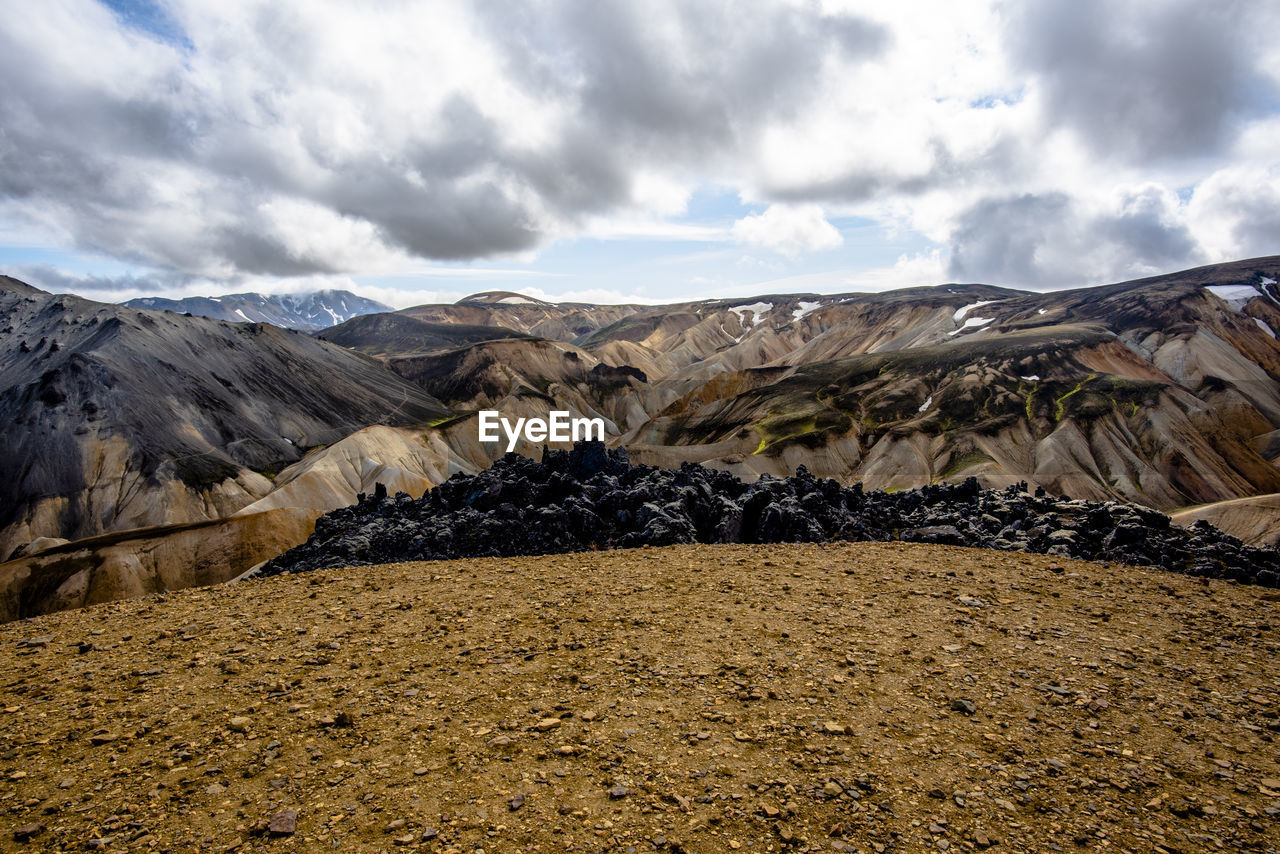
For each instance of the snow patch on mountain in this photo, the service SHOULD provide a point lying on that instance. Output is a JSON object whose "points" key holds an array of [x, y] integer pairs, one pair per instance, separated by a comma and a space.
{"points": [[803, 307], [757, 310], [1236, 296], [961, 312], [972, 323]]}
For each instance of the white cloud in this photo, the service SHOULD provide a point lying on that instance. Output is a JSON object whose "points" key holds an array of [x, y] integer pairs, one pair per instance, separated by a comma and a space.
{"points": [[1236, 211], [791, 230], [309, 137]]}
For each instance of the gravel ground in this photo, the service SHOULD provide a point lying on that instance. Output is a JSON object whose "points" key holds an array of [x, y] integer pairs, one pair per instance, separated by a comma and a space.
{"points": [[843, 697]]}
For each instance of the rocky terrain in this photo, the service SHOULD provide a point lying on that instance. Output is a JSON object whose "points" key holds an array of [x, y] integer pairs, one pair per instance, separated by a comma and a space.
{"points": [[854, 697], [591, 498], [1255, 520], [307, 311]]}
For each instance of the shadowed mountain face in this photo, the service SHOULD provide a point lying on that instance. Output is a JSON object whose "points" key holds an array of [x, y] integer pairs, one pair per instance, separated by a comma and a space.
{"points": [[380, 334], [117, 418], [306, 311]]}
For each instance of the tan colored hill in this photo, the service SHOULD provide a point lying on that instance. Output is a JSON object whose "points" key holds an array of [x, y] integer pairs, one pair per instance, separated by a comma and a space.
{"points": [[127, 564], [561, 321], [860, 697], [1254, 520], [1162, 391]]}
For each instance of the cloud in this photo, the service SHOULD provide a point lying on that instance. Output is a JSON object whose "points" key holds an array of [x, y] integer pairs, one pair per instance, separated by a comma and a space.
{"points": [[1238, 211], [302, 138], [1055, 240], [227, 142], [1161, 78], [790, 230]]}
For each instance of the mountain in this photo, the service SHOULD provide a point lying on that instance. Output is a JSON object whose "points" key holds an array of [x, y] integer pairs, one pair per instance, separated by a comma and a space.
{"points": [[118, 418], [563, 321], [381, 334], [1163, 391], [305, 311]]}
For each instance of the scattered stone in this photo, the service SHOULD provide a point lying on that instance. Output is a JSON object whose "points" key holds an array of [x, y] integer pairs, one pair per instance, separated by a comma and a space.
{"points": [[547, 724], [238, 724], [337, 719], [618, 792], [516, 802], [28, 832], [963, 706], [283, 823]]}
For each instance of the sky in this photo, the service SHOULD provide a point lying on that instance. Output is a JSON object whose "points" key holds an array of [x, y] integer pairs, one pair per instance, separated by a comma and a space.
{"points": [[615, 151]]}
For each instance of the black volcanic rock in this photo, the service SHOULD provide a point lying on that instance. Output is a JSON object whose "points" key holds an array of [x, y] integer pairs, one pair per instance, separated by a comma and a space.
{"points": [[592, 498]]}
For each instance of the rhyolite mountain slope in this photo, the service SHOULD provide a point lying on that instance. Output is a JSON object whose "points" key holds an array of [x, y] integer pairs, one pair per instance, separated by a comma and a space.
{"points": [[1163, 391], [117, 418], [564, 321], [394, 333], [308, 310]]}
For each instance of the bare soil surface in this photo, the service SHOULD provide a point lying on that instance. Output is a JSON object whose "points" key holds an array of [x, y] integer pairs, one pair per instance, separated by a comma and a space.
{"points": [[853, 697]]}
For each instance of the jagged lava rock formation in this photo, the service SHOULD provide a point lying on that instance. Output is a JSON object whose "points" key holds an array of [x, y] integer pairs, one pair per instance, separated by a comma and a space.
{"points": [[592, 498]]}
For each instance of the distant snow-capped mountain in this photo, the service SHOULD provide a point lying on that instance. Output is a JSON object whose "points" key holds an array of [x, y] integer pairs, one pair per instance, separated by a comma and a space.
{"points": [[307, 311]]}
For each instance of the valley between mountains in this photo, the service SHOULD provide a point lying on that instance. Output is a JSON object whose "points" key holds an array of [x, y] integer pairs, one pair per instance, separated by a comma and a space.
{"points": [[143, 449]]}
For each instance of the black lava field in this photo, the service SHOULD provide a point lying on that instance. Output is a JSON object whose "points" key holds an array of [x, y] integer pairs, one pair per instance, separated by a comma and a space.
{"points": [[592, 498]]}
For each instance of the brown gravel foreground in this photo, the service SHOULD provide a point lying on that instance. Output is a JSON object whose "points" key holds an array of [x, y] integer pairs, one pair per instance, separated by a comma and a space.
{"points": [[865, 697]]}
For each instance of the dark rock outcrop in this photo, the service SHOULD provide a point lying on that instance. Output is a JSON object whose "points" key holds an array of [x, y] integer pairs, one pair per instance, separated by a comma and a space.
{"points": [[592, 498]]}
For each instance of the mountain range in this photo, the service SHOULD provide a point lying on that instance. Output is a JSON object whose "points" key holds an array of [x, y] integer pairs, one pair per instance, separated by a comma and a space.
{"points": [[308, 311], [1163, 392]]}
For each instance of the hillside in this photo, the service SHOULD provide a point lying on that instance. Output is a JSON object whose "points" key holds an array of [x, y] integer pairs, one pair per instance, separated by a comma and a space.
{"points": [[1162, 391], [565, 321], [892, 698], [118, 418], [389, 333]]}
